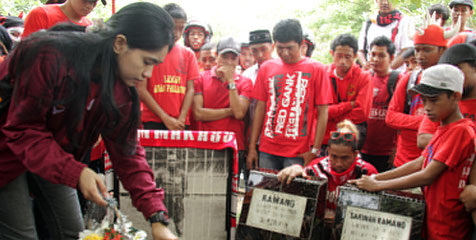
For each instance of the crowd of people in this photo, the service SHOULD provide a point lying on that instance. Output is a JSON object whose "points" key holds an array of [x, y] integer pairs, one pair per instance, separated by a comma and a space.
{"points": [[394, 110]]}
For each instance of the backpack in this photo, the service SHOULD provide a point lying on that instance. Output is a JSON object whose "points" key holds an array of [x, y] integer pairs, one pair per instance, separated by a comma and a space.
{"points": [[411, 82], [392, 83]]}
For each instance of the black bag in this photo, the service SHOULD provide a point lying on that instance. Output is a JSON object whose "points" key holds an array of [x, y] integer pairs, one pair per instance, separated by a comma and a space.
{"points": [[6, 90]]}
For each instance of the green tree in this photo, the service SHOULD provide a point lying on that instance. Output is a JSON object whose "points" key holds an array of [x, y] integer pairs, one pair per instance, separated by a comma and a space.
{"points": [[333, 17]]}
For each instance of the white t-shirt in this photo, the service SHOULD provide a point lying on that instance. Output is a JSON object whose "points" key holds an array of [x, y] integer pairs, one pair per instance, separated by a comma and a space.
{"points": [[401, 39]]}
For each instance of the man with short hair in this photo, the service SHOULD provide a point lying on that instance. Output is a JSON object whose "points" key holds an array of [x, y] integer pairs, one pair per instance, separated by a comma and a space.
{"points": [[168, 94], [441, 12], [405, 112], [46, 16], [208, 57], [463, 9], [350, 85], [262, 47], [246, 57], [380, 141], [391, 23], [290, 91], [309, 44], [221, 95]]}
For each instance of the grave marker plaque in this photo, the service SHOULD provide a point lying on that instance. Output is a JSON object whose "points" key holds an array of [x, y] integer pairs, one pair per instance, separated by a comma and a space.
{"points": [[272, 210]]}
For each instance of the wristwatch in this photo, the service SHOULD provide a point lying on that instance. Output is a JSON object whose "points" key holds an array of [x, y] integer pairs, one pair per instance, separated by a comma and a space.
{"points": [[231, 86], [315, 151], [160, 217]]}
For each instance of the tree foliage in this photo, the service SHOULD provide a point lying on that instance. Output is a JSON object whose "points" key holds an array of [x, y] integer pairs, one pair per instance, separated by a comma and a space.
{"points": [[333, 17]]}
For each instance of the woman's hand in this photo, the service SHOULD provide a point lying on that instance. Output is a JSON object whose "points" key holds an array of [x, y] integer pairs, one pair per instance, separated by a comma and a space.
{"points": [[91, 185]]}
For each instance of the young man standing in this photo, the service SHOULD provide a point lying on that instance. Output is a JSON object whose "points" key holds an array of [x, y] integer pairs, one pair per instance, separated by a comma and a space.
{"points": [[350, 85], [445, 165], [46, 16], [246, 57], [208, 56], [168, 94], [221, 96], [288, 91], [262, 47], [462, 9], [391, 23], [405, 112], [381, 139]]}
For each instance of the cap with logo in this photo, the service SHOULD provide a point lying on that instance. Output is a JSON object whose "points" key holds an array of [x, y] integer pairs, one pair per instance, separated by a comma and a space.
{"points": [[438, 79]]}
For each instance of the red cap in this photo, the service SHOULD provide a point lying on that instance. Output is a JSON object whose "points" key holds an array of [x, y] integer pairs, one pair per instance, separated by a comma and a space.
{"points": [[434, 35]]}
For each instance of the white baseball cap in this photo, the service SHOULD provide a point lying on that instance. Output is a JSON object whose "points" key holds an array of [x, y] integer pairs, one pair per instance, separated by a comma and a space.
{"points": [[438, 79]]}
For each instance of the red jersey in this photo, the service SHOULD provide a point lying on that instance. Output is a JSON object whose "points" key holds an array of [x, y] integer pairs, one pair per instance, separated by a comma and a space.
{"points": [[407, 124], [168, 83], [381, 139], [38, 143], [46, 16], [291, 93], [215, 95], [446, 217], [467, 108], [355, 86], [322, 167]]}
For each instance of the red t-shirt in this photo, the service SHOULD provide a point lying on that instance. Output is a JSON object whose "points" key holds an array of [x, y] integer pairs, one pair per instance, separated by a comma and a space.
{"points": [[338, 179], [46, 16], [215, 95], [446, 217], [460, 38], [381, 139], [291, 93], [355, 86], [168, 83], [467, 108], [407, 124]]}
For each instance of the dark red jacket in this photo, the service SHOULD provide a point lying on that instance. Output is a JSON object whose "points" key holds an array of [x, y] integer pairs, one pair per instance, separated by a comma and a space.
{"points": [[33, 136]]}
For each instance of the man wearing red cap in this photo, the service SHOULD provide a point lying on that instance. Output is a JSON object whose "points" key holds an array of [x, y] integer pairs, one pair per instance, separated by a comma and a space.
{"points": [[406, 112], [46, 16]]}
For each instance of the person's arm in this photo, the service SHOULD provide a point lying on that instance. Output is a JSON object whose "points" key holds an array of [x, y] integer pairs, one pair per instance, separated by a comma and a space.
{"points": [[425, 132], [398, 61], [187, 102], [363, 60], [338, 111], [395, 117], [208, 114], [170, 122], [405, 169], [319, 134], [363, 101], [468, 195], [238, 104], [417, 179], [287, 174], [252, 158], [161, 232]]}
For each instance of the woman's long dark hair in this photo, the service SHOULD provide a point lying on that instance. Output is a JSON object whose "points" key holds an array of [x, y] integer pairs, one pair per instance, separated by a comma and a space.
{"points": [[90, 57]]}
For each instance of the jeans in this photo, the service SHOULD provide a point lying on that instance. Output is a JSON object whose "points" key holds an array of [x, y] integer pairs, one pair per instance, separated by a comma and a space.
{"points": [[275, 162], [58, 204]]}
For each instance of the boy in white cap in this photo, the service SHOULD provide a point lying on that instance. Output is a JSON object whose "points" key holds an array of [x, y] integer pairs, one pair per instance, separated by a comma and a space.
{"points": [[444, 167]]}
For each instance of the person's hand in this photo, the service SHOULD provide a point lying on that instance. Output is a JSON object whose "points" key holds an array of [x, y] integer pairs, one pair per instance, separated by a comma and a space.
{"points": [[468, 197], [352, 103], [252, 159], [307, 156], [88, 184], [161, 232], [226, 73], [366, 183], [182, 120], [174, 124], [288, 174]]}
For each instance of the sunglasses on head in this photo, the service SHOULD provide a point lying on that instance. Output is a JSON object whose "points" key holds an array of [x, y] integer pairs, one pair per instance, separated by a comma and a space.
{"points": [[346, 136]]}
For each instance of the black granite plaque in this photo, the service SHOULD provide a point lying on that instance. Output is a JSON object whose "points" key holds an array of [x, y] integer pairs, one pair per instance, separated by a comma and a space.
{"points": [[272, 210], [382, 215]]}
